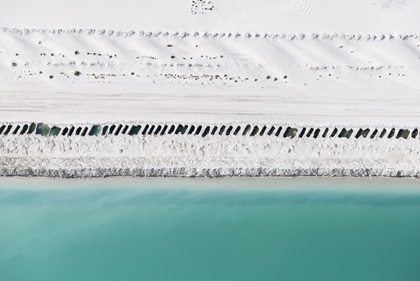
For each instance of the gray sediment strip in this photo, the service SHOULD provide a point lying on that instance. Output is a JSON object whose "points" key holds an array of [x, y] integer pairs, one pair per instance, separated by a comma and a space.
{"points": [[187, 172]]}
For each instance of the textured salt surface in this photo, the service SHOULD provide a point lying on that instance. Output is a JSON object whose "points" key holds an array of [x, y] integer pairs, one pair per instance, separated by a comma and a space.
{"points": [[318, 64], [60, 75], [182, 155]]}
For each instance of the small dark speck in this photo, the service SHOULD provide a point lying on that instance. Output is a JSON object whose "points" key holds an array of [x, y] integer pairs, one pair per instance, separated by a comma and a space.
{"points": [[51, 77], [77, 73], [172, 57], [76, 53], [285, 76], [17, 54], [14, 64], [169, 45], [268, 77], [132, 73]]}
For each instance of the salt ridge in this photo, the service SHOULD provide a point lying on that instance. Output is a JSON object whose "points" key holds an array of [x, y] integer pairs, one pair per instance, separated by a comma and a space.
{"points": [[208, 34]]}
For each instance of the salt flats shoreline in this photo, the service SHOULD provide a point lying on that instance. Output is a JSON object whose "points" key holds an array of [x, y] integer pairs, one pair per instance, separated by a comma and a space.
{"points": [[207, 173], [130, 150], [288, 154], [238, 88]]}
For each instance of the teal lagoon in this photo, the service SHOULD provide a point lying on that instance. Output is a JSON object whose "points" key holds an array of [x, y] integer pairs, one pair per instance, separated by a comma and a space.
{"points": [[224, 229]]}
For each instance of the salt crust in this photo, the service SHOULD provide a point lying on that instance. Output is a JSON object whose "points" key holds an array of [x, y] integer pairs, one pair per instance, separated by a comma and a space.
{"points": [[218, 156]]}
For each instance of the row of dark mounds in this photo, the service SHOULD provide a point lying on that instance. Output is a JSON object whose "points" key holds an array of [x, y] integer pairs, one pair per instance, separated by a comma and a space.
{"points": [[204, 130]]}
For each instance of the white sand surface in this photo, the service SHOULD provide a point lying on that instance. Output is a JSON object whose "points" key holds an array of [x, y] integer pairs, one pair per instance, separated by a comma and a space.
{"points": [[303, 62], [290, 16], [99, 77], [296, 60]]}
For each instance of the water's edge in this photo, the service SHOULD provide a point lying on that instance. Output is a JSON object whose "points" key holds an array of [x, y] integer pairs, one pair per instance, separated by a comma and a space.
{"points": [[218, 156], [187, 172]]}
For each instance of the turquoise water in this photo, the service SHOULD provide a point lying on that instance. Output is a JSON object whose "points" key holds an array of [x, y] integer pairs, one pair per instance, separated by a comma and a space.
{"points": [[209, 230]]}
